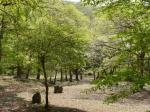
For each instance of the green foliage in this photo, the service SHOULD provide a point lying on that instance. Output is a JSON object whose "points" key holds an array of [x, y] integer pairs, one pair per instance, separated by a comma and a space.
{"points": [[136, 86], [60, 33], [135, 82], [129, 48], [115, 97], [38, 27]]}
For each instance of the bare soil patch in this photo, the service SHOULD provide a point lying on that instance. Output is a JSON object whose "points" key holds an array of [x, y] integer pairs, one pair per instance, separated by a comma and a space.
{"points": [[15, 96]]}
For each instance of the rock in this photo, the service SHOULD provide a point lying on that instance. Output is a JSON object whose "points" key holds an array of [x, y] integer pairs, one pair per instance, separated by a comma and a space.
{"points": [[58, 89], [36, 98]]}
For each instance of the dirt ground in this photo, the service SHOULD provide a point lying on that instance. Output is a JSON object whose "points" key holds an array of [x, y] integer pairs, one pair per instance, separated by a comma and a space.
{"points": [[15, 96]]}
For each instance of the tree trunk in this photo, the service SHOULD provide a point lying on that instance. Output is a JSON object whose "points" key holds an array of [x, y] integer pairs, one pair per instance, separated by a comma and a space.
{"points": [[29, 67], [38, 74], [98, 75], [55, 79], [66, 78], [61, 75], [18, 71], [46, 83], [38, 69], [70, 73], [76, 74], [1, 37], [28, 72], [94, 74], [141, 62]]}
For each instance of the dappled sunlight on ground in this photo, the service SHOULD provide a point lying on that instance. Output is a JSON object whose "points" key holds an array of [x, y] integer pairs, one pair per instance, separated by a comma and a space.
{"points": [[16, 96]]}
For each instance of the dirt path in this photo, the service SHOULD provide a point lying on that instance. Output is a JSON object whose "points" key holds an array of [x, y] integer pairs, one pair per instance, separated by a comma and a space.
{"points": [[73, 98]]}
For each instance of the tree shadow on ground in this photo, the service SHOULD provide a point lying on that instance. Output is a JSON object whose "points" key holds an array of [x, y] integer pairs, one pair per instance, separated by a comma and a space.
{"points": [[54, 108], [9, 102], [142, 95]]}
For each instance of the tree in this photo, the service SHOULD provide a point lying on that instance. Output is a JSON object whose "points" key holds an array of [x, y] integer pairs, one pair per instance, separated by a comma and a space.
{"points": [[53, 43], [131, 23], [14, 18], [47, 39]]}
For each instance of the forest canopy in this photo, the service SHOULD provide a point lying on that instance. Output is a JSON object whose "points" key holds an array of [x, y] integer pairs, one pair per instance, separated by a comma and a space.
{"points": [[109, 39]]}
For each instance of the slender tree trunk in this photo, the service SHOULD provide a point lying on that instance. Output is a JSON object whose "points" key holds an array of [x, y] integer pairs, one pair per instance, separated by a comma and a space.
{"points": [[76, 74], [66, 78], [1, 37], [55, 78], [61, 75], [28, 72], [94, 74], [38, 74], [98, 75], [70, 73], [46, 83], [38, 70], [141, 57], [19, 71], [27, 75], [29, 67], [142, 63]]}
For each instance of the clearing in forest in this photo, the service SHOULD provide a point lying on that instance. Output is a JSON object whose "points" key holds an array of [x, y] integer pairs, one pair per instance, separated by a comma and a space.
{"points": [[15, 96]]}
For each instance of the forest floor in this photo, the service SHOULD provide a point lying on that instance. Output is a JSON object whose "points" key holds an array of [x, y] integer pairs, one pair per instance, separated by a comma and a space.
{"points": [[15, 96]]}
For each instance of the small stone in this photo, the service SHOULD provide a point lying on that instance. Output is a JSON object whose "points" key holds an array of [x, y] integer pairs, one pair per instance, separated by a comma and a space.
{"points": [[58, 89], [36, 98]]}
